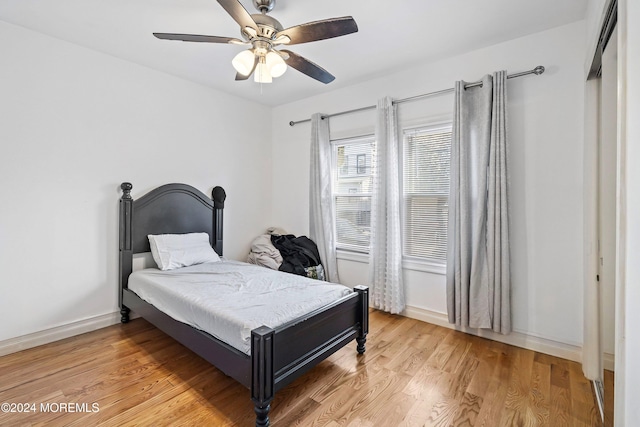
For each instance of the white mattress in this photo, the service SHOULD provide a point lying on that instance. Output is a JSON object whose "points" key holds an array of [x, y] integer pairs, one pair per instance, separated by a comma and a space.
{"points": [[228, 299]]}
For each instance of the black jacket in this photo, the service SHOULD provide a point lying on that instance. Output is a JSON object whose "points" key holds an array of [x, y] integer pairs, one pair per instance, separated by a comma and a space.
{"points": [[297, 253]]}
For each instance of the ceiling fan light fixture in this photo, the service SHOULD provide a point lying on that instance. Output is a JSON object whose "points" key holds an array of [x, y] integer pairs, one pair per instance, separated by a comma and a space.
{"points": [[262, 74], [243, 62], [275, 64]]}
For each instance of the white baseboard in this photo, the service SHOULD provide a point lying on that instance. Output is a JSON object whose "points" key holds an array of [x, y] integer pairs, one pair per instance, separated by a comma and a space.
{"points": [[541, 345], [47, 336]]}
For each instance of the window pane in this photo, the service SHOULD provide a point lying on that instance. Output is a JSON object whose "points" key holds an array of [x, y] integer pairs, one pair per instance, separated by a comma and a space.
{"points": [[352, 192], [426, 192], [353, 162], [426, 167], [426, 227], [353, 221]]}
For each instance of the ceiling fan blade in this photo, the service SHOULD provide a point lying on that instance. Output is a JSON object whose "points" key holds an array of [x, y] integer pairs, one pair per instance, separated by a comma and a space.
{"points": [[320, 30], [238, 13], [198, 38], [307, 67], [242, 76]]}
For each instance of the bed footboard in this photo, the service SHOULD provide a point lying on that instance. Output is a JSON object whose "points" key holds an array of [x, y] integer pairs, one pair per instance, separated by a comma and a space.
{"points": [[279, 356]]}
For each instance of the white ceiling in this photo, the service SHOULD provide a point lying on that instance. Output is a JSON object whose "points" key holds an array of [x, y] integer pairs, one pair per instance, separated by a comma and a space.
{"points": [[391, 36]]}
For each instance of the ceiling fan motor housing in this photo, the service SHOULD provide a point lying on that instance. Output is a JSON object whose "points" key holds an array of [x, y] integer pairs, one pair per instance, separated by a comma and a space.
{"points": [[264, 6], [267, 26]]}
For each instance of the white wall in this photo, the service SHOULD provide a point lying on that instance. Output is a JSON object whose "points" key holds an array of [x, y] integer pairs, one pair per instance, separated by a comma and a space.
{"points": [[74, 124], [546, 132]]}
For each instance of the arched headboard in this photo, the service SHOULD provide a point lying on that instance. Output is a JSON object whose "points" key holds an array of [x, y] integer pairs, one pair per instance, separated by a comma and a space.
{"points": [[168, 209]]}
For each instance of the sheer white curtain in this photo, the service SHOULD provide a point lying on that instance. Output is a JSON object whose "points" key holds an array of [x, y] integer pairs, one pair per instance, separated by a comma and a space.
{"points": [[478, 271], [321, 212], [385, 253]]}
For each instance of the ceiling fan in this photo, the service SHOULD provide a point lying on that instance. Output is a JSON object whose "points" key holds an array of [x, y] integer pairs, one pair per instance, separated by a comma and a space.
{"points": [[264, 33]]}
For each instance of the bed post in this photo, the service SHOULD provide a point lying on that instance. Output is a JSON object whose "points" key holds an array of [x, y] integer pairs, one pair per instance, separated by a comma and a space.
{"points": [[218, 195], [126, 251], [262, 373], [363, 316]]}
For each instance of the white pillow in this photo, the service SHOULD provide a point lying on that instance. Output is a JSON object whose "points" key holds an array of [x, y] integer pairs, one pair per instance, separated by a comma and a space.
{"points": [[181, 250]]}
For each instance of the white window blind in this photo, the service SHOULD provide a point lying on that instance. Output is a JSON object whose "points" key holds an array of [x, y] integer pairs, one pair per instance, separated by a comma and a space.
{"points": [[352, 192], [426, 155]]}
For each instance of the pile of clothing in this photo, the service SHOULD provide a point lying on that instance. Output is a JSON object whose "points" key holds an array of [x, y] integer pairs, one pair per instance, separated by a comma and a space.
{"points": [[282, 251]]}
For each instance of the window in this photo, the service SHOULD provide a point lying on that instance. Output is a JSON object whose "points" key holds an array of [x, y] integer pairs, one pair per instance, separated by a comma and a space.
{"points": [[426, 155], [352, 192], [425, 192], [362, 163], [344, 167]]}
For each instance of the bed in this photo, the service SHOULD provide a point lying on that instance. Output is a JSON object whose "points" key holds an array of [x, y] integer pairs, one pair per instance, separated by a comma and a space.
{"points": [[276, 356]]}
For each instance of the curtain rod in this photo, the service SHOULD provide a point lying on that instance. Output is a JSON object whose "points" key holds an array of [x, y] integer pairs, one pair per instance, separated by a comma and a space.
{"points": [[537, 71]]}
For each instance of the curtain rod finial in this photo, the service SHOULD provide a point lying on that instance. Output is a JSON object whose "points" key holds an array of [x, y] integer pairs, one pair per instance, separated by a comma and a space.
{"points": [[291, 123], [538, 70]]}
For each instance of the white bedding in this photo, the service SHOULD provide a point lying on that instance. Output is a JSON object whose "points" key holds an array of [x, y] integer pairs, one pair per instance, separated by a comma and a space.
{"points": [[228, 299]]}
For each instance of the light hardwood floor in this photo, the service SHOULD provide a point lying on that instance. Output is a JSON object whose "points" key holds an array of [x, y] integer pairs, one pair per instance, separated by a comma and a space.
{"points": [[412, 374]]}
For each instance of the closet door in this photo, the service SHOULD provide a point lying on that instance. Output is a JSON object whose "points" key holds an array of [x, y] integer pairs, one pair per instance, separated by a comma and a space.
{"points": [[607, 198]]}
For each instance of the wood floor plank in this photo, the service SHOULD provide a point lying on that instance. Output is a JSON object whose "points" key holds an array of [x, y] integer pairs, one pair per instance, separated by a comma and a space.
{"points": [[561, 398], [441, 355], [516, 406], [417, 415], [413, 374], [297, 414], [461, 349], [409, 361], [392, 414], [540, 392], [487, 360], [371, 410], [422, 383], [609, 384], [493, 401], [443, 412], [468, 410]]}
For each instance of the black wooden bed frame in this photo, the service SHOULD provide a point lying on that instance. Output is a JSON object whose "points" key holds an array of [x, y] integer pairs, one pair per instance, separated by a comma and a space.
{"points": [[278, 356]]}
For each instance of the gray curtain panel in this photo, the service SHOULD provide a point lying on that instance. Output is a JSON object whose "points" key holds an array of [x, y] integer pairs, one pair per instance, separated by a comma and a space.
{"points": [[321, 212], [478, 273]]}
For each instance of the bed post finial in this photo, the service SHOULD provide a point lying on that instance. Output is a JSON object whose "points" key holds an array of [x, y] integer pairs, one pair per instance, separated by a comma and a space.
{"points": [[219, 196], [126, 190]]}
